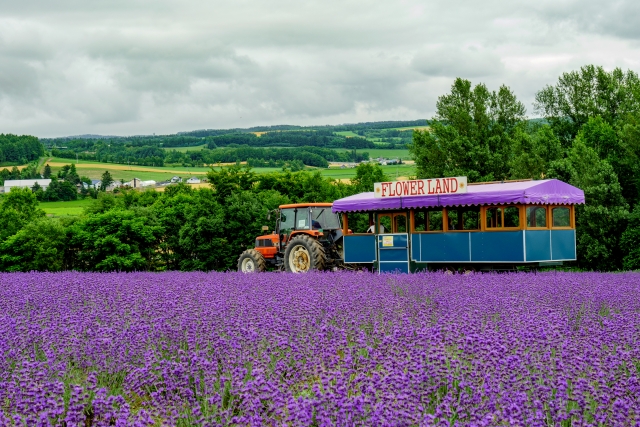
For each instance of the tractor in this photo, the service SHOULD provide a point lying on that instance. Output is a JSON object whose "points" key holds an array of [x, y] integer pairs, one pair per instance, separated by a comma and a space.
{"points": [[308, 236]]}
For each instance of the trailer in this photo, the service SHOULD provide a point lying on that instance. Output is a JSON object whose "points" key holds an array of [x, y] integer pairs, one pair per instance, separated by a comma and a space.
{"points": [[446, 223]]}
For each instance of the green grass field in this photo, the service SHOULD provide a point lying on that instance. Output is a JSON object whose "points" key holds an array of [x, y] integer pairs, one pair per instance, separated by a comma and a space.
{"points": [[94, 170], [411, 128], [348, 134], [184, 149], [392, 171], [72, 208], [383, 152]]}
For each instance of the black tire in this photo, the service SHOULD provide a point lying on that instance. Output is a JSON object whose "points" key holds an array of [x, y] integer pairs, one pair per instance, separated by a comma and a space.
{"points": [[304, 253], [251, 261]]}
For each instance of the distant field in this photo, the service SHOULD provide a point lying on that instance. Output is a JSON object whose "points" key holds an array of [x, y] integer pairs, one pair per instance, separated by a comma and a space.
{"points": [[348, 134], [184, 149], [383, 152], [392, 171], [72, 208], [94, 170], [412, 128]]}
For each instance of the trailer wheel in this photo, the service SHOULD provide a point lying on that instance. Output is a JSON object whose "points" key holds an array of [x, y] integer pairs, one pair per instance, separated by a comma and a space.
{"points": [[251, 261], [303, 254]]}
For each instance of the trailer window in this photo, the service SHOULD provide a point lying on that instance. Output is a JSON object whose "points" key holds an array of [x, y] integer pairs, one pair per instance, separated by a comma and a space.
{"points": [[400, 223], [384, 223], [467, 218], [494, 217], [428, 220], [502, 217], [537, 217], [511, 216], [561, 217]]}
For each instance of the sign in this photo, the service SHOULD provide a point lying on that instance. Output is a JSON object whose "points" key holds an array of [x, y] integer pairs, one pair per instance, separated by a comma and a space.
{"points": [[387, 241], [420, 187]]}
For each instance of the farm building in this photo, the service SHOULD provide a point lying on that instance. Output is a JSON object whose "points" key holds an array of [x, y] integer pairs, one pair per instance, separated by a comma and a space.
{"points": [[193, 180], [95, 184], [24, 183]]}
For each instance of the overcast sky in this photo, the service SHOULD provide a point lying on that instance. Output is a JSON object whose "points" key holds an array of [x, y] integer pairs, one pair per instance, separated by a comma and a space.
{"points": [[125, 67]]}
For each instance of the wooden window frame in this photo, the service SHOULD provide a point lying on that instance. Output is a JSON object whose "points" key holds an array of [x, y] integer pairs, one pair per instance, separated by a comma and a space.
{"points": [[521, 217], [572, 217], [426, 210], [393, 215], [547, 217], [445, 220]]}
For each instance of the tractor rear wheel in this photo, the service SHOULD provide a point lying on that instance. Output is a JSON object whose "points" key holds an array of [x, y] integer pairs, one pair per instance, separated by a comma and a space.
{"points": [[304, 253], [251, 261]]}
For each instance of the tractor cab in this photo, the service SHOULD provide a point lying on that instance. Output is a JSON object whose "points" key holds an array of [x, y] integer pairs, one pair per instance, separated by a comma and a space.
{"points": [[308, 236]]}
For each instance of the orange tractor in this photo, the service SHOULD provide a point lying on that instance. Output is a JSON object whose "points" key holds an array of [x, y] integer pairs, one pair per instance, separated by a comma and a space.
{"points": [[308, 236]]}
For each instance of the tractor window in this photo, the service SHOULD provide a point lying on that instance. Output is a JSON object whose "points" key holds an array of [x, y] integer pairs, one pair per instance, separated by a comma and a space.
{"points": [[287, 220], [324, 218], [302, 219]]}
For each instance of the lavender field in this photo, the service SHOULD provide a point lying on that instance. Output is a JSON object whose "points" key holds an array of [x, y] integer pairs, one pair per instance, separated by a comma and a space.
{"points": [[319, 349]]}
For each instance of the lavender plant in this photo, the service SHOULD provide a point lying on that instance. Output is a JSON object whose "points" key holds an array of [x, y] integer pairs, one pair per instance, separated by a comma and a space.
{"points": [[319, 349]]}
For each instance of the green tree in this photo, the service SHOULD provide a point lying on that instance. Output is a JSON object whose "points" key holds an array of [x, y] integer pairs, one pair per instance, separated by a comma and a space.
{"points": [[589, 92], [47, 171], [366, 175], [38, 191], [106, 180], [39, 246], [534, 150], [471, 134], [60, 191], [630, 242], [116, 240], [231, 179], [601, 221], [18, 207]]}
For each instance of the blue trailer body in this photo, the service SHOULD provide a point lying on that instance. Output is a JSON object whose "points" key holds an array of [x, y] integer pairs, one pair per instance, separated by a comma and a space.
{"points": [[550, 240]]}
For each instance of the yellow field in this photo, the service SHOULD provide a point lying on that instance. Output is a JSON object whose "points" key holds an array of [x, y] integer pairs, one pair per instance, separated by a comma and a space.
{"points": [[114, 166], [258, 133]]}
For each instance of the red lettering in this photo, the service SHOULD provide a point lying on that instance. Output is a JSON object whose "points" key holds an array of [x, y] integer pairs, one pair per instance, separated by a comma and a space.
{"points": [[438, 188], [454, 181], [445, 186], [399, 188], [413, 188], [405, 188], [429, 186], [391, 192], [384, 189], [420, 187]]}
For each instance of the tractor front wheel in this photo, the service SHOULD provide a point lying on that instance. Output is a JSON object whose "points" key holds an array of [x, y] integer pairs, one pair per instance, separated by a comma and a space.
{"points": [[304, 253], [251, 261]]}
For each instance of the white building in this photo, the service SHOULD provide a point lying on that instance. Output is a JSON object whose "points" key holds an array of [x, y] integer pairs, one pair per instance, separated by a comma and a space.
{"points": [[150, 183], [193, 180], [24, 183]]}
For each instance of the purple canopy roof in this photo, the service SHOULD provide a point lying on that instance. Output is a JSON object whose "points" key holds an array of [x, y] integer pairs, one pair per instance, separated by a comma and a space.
{"points": [[546, 192]]}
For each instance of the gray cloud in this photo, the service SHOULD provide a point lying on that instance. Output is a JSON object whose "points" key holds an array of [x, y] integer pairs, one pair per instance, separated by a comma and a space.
{"points": [[142, 66]]}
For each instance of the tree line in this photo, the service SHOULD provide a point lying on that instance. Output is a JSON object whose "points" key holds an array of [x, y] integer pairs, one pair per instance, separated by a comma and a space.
{"points": [[19, 149], [588, 136], [179, 229]]}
